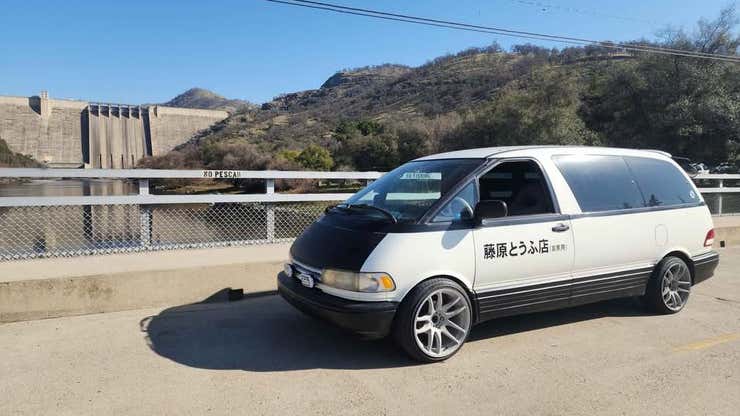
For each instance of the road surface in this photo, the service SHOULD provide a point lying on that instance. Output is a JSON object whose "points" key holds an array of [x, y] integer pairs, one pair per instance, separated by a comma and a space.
{"points": [[259, 356]]}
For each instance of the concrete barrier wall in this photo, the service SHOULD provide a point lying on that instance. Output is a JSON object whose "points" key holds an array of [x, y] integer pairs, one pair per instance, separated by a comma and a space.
{"points": [[727, 229], [170, 127], [50, 288], [50, 131]]}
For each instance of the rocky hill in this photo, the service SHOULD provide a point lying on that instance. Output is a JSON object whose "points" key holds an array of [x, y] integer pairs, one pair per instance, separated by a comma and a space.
{"points": [[387, 93], [379, 116], [207, 100]]}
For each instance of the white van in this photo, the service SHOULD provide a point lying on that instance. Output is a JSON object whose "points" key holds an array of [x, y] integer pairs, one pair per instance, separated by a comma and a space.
{"points": [[450, 240]]}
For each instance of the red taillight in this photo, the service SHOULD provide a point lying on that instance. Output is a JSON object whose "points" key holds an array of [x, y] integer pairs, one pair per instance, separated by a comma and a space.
{"points": [[709, 240]]}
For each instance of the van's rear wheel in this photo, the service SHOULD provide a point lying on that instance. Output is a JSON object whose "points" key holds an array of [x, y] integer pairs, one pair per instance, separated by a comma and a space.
{"points": [[670, 287], [434, 320]]}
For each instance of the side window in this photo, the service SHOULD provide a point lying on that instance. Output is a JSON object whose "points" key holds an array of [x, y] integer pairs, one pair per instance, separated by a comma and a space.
{"points": [[521, 185], [661, 183], [600, 183], [460, 207]]}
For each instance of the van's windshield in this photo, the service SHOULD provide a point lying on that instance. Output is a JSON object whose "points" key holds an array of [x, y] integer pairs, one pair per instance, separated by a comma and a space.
{"points": [[407, 192]]}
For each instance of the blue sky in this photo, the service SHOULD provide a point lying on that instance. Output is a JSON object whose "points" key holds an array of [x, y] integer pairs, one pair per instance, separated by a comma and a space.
{"points": [[149, 51]]}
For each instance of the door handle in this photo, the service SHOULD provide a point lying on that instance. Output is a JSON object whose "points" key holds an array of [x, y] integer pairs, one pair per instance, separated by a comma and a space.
{"points": [[560, 228]]}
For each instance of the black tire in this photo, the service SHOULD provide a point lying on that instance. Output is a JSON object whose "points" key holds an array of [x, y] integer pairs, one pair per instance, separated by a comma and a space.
{"points": [[405, 321], [654, 294]]}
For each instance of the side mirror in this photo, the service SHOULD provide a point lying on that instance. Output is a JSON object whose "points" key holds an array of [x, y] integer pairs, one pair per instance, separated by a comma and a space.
{"points": [[486, 210]]}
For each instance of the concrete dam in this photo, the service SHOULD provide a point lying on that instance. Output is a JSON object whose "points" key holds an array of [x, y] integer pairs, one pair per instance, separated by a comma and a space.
{"points": [[69, 133]]}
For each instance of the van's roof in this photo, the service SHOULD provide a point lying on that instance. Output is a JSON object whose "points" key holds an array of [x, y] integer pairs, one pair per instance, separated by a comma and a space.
{"points": [[543, 151]]}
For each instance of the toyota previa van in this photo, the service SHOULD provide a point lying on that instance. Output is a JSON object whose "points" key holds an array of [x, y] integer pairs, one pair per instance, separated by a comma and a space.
{"points": [[450, 240]]}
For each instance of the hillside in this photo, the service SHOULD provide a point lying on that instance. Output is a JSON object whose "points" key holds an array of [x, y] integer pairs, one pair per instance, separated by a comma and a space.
{"points": [[208, 100], [10, 159], [379, 116], [387, 94]]}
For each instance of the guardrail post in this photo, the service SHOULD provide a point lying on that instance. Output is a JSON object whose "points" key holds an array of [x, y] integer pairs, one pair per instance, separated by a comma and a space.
{"points": [[719, 199], [143, 186], [145, 217], [270, 209], [145, 226]]}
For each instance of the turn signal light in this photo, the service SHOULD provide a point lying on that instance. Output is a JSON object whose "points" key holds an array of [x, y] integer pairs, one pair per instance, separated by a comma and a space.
{"points": [[387, 282]]}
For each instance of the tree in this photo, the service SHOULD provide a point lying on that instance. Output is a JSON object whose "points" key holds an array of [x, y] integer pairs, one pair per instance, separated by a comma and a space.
{"points": [[686, 106], [412, 143], [376, 152], [315, 157], [289, 155], [540, 109]]}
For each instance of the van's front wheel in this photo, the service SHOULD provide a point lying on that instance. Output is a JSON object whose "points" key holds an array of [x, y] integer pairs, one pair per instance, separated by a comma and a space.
{"points": [[434, 320]]}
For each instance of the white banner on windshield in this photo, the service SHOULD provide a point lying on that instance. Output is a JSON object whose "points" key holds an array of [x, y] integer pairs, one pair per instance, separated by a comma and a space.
{"points": [[432, 176]]}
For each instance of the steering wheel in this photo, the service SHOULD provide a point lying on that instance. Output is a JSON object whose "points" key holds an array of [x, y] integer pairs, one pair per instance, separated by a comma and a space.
{"points": [[455, 208]]}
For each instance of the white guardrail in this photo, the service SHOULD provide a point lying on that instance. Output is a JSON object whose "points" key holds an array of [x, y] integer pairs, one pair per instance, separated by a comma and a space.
{"points": [[145, 198], [720, 189], [269, 176], [64, 226]]}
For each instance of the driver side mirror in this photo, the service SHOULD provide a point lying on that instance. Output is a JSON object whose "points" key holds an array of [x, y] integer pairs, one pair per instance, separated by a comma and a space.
{"points": [[486, 210]]}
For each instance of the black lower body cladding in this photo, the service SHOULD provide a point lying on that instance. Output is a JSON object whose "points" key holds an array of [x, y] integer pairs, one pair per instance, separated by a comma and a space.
{"points": [[704, 266], [369, 319], [562, 293]]}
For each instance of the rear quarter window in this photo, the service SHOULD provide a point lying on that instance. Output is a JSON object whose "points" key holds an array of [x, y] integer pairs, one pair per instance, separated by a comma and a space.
{"points": [[661, 183], [600, 183]]}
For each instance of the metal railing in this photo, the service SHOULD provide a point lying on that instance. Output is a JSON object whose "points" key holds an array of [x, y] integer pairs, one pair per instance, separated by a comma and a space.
{"points": [[716, 196], [121, 215], [92, 221]]}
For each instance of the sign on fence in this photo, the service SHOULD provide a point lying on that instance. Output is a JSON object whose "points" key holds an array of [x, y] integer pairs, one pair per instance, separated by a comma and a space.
{"points": [[222, 174]]}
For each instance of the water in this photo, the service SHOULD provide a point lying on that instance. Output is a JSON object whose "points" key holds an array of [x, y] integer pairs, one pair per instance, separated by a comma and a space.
{"points": [[68, 187]]}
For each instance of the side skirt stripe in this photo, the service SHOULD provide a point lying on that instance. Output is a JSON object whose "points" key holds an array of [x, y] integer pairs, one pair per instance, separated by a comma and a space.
{"points": [[561, 283], [561, 293]]}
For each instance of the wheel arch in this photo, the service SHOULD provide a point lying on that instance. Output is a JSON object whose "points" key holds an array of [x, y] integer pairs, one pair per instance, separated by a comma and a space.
{"points": [[683, 256], [469, 292]]}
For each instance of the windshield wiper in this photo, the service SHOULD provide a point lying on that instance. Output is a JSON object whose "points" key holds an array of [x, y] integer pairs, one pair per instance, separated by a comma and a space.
{"points": [[385, 212]]}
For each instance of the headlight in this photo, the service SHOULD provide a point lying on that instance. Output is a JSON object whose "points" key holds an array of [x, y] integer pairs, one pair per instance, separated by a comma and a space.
{"points": [[358, 282], [288, 269]]}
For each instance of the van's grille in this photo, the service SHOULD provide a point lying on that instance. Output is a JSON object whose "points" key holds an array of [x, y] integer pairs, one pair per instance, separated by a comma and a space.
{"points": [[306, 270]]}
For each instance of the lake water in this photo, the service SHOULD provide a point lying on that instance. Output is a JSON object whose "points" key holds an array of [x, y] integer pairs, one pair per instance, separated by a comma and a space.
{"points": [[69, 187]]}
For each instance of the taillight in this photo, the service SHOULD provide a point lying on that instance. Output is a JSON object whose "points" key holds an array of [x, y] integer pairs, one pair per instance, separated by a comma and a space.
{"points": [[709, 240]]}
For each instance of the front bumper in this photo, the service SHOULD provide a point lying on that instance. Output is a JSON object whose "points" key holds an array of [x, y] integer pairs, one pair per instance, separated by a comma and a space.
{"points": [[369, 319], [704, 266]]}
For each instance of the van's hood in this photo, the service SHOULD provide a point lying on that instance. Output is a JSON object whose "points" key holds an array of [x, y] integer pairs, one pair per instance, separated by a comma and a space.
{"points": [[338, 241]]}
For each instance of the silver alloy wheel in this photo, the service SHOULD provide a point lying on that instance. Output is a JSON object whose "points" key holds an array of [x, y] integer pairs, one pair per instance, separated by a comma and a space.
{"points": [[676, 286], [441, 322]]}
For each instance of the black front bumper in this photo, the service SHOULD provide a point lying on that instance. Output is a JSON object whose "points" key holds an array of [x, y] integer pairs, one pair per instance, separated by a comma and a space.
{"points": [[704, 266], [370, 319]]}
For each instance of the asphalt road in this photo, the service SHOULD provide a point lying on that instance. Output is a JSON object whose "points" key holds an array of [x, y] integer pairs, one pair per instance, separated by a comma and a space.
{"points": [[259, 356]]}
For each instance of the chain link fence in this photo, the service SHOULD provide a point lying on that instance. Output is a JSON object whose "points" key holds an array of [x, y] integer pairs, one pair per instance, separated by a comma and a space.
{"points": [[65, 231], [109, 218]]}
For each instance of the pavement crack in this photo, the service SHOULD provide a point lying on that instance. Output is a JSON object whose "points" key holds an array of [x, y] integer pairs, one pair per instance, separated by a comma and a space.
{"points": [[727, 300]]}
